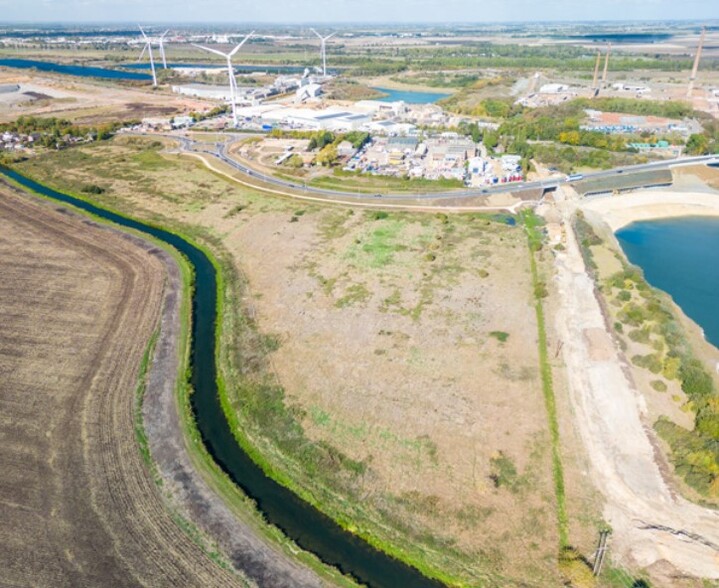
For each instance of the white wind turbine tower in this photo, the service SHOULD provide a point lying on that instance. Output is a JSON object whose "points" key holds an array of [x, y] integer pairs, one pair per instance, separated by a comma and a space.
{"points": [[230, 71], [148, 48], [323, 49]]}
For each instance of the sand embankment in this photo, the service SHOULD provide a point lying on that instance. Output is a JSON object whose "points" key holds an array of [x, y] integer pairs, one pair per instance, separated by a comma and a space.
{"points": [[620, 211]]}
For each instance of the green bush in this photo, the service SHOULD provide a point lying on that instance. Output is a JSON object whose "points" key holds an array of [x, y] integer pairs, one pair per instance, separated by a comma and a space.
{"points": [[624, 295], [500, 336], [639, 335], [696, 382], [659, 385], [652, 362]]}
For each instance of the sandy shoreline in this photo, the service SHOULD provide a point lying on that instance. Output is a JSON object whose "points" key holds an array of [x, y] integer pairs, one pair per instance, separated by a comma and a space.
{"points": [[620, 211]]}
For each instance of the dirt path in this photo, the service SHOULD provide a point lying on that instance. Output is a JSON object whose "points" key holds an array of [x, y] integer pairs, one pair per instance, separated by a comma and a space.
{"points": [[651, 525]]}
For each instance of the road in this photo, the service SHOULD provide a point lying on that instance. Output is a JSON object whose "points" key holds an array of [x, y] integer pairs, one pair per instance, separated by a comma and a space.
{"points": [[220, 151]]}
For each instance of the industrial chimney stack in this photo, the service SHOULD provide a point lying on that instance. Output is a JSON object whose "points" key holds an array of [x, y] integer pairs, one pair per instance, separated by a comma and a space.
{"points": [[698, 56]]}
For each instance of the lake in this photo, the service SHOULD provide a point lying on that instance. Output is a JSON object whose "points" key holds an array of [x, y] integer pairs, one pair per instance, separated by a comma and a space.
{"points": [[410, 97], [239, 68], [76, 70], [681, 257]]}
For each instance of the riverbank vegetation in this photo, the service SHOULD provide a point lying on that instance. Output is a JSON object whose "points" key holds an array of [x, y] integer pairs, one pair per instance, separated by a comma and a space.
{"points": [[644, 318]]}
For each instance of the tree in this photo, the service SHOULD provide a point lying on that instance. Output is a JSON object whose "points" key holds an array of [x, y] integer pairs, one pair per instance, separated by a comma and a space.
{"points": [[698, 144], [327, 156], [491, 140]]}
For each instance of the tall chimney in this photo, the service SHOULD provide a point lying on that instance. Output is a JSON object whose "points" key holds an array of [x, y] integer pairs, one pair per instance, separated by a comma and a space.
{"points": [[596, 72], [606, 65], [698, 56]]}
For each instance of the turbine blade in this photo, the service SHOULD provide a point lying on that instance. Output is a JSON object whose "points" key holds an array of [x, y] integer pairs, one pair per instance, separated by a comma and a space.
{"points": [[236, 49], [142, 54], [215, 51], [316, 33], [165, 33], [328, 37], [142, 31]]}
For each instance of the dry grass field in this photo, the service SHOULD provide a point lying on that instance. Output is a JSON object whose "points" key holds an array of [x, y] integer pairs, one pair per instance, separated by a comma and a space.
{"points": [[404, 349], [78, 506]]}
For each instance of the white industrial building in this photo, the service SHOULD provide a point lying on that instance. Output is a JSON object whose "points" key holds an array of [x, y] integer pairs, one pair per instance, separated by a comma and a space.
{"points": [[204, 91], [329, 119]]}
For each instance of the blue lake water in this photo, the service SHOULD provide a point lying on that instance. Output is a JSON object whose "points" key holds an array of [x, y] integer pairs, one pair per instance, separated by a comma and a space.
{"points": [[75, 70], [681, 257], [410, 97], [239, 68]]}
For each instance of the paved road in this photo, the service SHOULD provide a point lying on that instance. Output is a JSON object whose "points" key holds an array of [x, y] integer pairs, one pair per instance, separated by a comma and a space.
{"points": [[220, 151]]}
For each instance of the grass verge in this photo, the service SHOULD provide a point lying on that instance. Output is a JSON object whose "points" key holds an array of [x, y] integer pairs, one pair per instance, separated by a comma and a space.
{"points": [[535, 240]]}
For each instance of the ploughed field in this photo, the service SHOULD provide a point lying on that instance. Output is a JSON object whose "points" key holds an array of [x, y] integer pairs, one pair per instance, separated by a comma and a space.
{"points": [[77, 505]]}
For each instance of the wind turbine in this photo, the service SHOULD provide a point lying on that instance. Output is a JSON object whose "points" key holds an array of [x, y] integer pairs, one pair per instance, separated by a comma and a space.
{"points": [[323, 49], [148, 48], [230, 71], [161, 42]]}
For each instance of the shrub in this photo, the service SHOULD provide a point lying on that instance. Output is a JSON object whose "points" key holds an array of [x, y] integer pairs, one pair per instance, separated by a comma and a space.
{"points": [[624, 296], [92, 189], [575, 570], [500, 336], [652, 362], [639, 335], [696, 382], [540, 289], [659, 385]]}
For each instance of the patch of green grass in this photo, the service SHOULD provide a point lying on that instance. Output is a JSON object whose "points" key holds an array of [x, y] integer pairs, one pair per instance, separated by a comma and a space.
{"points": [[150, 160], [500, 336], [378, 248], [354, 294], [504, 473], [535, 240]]}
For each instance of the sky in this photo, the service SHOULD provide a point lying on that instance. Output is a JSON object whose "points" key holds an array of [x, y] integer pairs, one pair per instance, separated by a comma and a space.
{"points": [[316, 11]]}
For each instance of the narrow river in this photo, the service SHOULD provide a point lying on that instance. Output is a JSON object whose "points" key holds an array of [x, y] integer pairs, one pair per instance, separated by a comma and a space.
{"points": [[308, 527]]}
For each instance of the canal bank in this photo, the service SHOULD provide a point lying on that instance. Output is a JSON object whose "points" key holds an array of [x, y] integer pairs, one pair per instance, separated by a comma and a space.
{"points": [[309, 528]]}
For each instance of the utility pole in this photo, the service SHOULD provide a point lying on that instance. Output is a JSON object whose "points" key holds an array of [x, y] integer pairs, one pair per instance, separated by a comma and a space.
{"points": [[606, 65], [601, 552], [698, 56]]}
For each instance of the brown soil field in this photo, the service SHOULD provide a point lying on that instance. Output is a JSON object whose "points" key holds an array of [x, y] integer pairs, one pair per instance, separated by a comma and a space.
{"points": [[78, 506], [405, 346], [92, 102]]}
